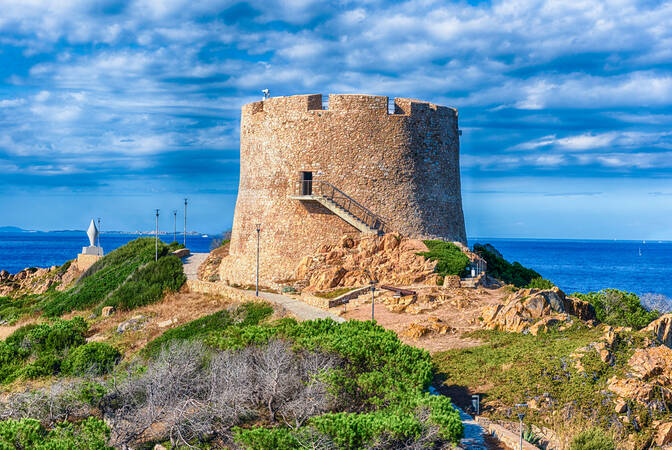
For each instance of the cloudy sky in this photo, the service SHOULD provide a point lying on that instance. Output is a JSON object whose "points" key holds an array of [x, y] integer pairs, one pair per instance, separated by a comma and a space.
{"points": [[113, 108]]}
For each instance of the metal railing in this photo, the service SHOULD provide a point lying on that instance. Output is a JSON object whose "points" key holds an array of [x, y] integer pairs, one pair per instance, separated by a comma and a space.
{"points": [[341, 199]]}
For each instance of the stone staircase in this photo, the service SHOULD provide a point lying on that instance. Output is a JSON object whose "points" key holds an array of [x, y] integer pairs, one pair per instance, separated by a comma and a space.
{"points": [[342, 205]]}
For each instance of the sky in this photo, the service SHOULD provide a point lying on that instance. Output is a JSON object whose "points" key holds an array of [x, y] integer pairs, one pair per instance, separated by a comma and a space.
{"points": [[114, 108]]}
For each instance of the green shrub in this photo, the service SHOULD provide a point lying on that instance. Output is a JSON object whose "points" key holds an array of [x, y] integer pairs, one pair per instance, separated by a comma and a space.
{"points": [[90, 434], [498, 267], [147, 284], [450, 259], [352, 430], [266, 438], [618, 308], [105, 276], [38, 350], [540, 283], [593, 439], [94, 357]]}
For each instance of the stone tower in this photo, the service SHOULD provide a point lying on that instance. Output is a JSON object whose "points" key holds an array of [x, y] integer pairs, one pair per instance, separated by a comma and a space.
{"points": [[310, 174]]}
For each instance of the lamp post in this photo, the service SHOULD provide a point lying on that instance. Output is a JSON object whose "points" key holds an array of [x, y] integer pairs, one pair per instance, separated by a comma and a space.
{"points": [[156, 238], [175, 225], [373, 292], [521, 415], [98, 244], [185, 223], [258, 226]]}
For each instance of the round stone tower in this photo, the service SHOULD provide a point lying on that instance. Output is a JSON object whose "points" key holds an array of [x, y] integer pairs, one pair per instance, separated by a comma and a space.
{"points": [[310, 174]]}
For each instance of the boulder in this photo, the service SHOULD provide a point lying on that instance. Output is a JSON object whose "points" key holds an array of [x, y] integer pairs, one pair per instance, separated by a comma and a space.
{"points": [[648, 376], [522, 309], [132, 324], [107, 311], [327, 279], [661, 329], [578, 308], [663, 434]]}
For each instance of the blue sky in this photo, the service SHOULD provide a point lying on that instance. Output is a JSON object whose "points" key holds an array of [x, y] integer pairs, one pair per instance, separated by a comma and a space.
{"points": [[113, 108]]}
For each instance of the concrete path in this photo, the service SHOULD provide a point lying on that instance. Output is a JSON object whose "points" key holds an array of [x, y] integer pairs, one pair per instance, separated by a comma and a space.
{"points": [[299, 309], [191, 264], [474, 434]]}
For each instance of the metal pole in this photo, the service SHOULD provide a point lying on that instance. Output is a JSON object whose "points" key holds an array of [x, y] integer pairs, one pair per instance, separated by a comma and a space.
{"points": [[373, 290], [98, 249], [521, 431], [156, 238], [185, 222], [258, 235], [175, 225]]}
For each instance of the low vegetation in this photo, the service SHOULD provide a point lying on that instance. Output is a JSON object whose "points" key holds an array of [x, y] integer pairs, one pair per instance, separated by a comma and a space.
{"points": [[513, 368], [46, 349], [90, 434], [618, 308], [126, 278], [333, 293], [450, 260], [498, 267], [540, 283], [237, 378]]}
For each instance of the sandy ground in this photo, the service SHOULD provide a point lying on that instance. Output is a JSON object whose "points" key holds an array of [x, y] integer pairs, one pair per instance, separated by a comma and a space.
{"points": [[462, 319]]}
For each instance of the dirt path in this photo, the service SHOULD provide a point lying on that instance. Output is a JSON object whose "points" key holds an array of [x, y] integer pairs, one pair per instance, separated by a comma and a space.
{"points": [[192, 263]]}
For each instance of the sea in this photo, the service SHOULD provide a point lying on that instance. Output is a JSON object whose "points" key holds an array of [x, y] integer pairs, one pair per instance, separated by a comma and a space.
{"points": [[642, 267]]}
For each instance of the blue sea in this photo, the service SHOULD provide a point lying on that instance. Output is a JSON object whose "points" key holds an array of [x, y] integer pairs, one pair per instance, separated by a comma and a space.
{"points": [[573, 265], [40, 249]]}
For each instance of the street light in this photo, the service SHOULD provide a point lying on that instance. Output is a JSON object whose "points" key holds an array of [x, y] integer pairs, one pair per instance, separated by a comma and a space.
{"points": [[98, 249], [156, 238], [258, 226], [373, 291], [520, 407], [185, 223], [175, 225]]}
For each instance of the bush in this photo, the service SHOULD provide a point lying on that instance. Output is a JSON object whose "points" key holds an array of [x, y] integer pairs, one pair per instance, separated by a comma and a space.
{"points": [[93, 358], [38, 350], [128, 275], [450, 259], [593, 439], [148, 283], [540, 283], [498, 267], [91, 434], [618, 308]]}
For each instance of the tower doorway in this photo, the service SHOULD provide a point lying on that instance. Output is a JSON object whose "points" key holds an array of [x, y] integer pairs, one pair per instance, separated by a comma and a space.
{"points": [[306, 183]]}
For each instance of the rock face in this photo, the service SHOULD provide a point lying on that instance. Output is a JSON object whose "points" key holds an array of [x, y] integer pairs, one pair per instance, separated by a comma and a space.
{"points": [[648, 378], [534, 310], [209, 270], [390, 259], [35, 280], [661, 329]]}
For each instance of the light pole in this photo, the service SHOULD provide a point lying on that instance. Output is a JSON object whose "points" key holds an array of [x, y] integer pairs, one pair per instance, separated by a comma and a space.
{"points": [[258, 236], [185, 223], [175, 225], [521, 415], [156, 238], [98, 244], [373, 292]]}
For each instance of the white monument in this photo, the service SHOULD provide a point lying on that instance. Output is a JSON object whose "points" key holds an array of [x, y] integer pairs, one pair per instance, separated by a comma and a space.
{"points": [[92, 249]]}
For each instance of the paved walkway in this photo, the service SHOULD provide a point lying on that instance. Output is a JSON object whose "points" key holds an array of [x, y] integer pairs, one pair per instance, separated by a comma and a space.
{"points": [[191, 264], [474, 434], [299, 309]]}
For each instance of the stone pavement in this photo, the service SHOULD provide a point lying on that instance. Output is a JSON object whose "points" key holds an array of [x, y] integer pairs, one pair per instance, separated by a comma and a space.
{"points": [[191, 264], [300, 309]]}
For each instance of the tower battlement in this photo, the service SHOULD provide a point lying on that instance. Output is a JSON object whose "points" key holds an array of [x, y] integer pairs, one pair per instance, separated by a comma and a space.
{"points": [[351, 103]]}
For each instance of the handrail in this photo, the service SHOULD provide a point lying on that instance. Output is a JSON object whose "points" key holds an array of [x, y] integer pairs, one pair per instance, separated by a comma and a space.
{"points": [[340, 198]]}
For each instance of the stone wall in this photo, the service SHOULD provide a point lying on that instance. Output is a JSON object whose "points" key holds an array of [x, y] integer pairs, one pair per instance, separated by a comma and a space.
{"points": [[403, 167]]}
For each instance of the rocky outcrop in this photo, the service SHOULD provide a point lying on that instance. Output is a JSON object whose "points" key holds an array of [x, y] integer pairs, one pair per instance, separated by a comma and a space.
{"points": [[209, 270], [648, 378], [534, 310], [35, 280], [433, 325], [661, 330], [390, 259]]}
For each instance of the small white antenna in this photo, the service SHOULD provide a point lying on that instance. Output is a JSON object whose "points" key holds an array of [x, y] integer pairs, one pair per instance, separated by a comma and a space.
{"points": [[267, 94]]}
